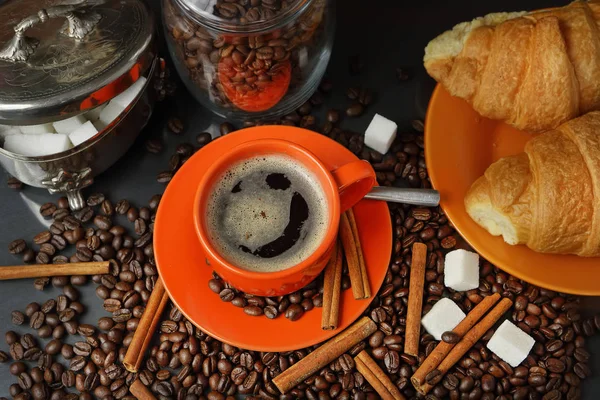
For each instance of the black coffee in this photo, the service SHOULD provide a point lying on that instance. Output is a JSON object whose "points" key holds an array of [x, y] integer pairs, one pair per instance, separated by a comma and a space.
{"points": [[267, 214]]}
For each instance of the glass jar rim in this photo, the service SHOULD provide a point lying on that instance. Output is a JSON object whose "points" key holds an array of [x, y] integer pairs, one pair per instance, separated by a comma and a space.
{"points": [[223, 26]]}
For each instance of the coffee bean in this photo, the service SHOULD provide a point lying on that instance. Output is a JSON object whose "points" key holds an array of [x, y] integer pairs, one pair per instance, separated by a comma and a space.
{"points": [[333, 116], [53, 347], [121, 315], [25, 381], [71, 223], [47, 209], [294, 312], [107, 207], [77, 363], [271, 312], [66, 315], [142, 241], [102, 222], [203, 138], [392, 361], [27, 341], [17, 246], [17, 352], [253, 311], [42, 258], [68, 379], [226, 128], [227, 295], [60, 214], [175, 125], [216, 285], [14, 183], [140, 226], [84, 254], [28, 255], [434, 377], [122, 207], [17, 317], [582, 370], [308, 122], [154, 145], [355, 110], [164, 177], [450, 337], [346, 362]]}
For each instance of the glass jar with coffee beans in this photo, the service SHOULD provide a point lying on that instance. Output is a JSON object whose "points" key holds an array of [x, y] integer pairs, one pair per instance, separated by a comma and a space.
{"points": [[250, 59]]}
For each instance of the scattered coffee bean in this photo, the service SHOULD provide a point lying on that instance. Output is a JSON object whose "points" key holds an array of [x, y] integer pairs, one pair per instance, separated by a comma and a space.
{"points": [[355, 110], [203, 138], [17, 317], [17, 246], [450, 337], [226, 128], [154, 146], [14, 183], [175, 125]]}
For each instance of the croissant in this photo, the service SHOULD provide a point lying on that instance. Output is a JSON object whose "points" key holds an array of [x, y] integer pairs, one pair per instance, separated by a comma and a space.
{"points": [[548, 197], [532, 70]]}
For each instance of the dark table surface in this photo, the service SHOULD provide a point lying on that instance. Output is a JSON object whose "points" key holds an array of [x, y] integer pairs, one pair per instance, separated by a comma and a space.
{"points": [[386, 35]]}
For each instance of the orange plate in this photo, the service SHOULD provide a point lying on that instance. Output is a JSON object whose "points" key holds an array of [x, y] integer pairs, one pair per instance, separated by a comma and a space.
{"points": [[459, 146], [182, 266]]}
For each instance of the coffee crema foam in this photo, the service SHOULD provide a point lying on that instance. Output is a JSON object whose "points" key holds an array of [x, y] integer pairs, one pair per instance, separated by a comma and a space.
{"points": [[256, 207]]}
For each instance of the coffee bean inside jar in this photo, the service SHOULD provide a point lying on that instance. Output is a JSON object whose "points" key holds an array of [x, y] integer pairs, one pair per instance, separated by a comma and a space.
{"points": [[250, 59]]}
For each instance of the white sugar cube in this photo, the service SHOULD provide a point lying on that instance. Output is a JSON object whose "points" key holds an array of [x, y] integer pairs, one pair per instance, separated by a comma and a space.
{"points": [[37, 129], [110, 113], [126, 98], [66, 126], [83, 133], [443, 316], [511, 344], [10, 130], [94, 113], [461, 270], [380, 134], [37, 145]]}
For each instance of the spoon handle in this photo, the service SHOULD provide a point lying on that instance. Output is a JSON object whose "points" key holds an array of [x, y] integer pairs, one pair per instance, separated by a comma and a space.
{"points": [[417, 197]]}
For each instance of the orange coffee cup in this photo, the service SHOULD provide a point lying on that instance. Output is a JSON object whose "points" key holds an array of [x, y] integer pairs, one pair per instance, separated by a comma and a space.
{"points": [[343, 187]]}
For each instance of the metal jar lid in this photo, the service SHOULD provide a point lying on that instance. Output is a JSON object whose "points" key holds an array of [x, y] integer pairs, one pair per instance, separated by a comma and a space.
{"points": [[59, 58]]}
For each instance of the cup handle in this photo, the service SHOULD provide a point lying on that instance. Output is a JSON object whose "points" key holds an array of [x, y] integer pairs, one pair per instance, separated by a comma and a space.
{"points": [[354, 181]]}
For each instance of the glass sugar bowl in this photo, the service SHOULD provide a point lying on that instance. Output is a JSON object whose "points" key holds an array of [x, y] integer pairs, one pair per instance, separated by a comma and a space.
{"points": [[250, 59]]}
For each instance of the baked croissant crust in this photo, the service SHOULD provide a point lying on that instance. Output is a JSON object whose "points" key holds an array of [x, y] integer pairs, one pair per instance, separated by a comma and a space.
{"points": [[548, 197], [532, 70]]}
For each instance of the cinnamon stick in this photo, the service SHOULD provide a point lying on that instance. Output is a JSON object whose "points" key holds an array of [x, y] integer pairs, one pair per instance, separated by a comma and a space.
{"points": [[468, 341], [361, 288], [146, 328], [442, 349], [415, 299], [41, 270], [376, 377], [140, 391], [325, 354], [332, 285]]}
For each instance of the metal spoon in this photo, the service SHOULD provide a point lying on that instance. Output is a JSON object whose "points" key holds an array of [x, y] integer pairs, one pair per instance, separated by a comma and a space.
{"points": [[417, 197]]}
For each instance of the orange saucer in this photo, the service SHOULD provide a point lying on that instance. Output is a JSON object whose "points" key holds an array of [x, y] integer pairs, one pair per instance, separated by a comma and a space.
{"points": [[459, 146], [183, 269]]}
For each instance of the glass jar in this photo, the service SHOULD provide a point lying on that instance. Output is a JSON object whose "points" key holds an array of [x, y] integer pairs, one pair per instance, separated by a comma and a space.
{"points": [[250, 59]]}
